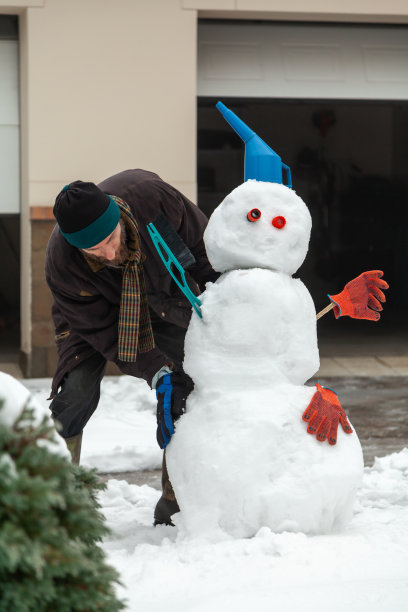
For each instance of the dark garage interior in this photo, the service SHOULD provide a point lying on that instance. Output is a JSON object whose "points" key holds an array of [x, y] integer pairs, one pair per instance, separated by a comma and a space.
{"points": [[9, 286], [348, 161]]}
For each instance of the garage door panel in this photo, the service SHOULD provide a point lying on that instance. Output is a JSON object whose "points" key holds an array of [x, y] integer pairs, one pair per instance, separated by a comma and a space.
{"points": [[386, 64], [9, 128], [232, 60], [9, 82], [303, 61], [9, 169]]}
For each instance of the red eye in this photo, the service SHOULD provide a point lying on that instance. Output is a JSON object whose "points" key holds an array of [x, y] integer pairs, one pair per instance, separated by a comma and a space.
{"points": [[254, 215], [279, 222]]}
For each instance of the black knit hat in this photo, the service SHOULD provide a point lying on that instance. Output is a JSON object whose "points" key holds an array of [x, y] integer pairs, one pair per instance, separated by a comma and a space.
{"points": [[85, 214]]}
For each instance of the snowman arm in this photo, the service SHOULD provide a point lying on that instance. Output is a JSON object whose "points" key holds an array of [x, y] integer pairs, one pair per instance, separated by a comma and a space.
{"points": [[360, 299], [325, 311], [362, 296], [324, 414]]}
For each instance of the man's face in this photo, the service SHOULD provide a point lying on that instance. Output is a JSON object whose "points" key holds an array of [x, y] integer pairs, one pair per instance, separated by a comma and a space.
{"points": [[112, 250]]}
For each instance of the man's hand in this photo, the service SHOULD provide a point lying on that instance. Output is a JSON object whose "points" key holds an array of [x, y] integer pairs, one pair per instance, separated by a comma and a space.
{"points": [[171, 391], [361, 297], [324, 414]]}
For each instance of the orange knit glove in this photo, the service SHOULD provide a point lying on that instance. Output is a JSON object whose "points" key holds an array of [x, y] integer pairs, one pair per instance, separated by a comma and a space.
{"points": [[361, 297], [324, 414]]}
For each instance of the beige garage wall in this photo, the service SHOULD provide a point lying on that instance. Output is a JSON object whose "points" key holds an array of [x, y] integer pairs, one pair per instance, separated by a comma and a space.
{"points": [[111, 85], [105, 85]]}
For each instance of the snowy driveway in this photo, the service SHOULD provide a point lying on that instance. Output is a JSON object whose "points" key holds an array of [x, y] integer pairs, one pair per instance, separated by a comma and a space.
{"points": [[362, 569]]}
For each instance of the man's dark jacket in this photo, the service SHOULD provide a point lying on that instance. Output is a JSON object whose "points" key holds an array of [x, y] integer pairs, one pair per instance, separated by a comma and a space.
{"points": [[86, 302]]}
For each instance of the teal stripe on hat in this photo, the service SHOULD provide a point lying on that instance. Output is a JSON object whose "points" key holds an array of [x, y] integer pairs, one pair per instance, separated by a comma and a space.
{"points": [[97, 231]]}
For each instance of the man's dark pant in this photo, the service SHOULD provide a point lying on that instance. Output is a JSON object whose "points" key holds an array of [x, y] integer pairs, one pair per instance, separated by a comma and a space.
{"points": [[79, 396]]}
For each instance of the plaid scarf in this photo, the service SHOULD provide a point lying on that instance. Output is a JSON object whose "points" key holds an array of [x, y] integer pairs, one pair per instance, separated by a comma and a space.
{"points": [[135, 328]]}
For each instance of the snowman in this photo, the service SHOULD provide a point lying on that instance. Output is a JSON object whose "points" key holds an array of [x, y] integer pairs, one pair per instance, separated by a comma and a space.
{"points": [[242, 456]]}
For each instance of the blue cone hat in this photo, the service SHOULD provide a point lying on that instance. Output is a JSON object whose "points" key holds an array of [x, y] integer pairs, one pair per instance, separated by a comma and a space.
{"points": [[261, 162]]}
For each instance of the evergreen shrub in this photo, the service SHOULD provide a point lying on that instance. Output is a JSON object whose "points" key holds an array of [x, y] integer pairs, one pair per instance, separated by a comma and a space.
{"points": [[50, 525]]}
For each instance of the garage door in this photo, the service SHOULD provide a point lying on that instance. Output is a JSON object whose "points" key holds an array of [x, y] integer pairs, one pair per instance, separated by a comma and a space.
{"points": [[303, 61], [9, 126]]}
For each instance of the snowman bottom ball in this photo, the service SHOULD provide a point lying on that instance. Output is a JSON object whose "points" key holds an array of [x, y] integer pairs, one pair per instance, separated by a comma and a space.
{"points": [[242, 461]]}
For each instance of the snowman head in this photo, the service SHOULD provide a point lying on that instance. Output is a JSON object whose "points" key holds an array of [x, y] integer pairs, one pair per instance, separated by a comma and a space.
{"points": [[259, 225]]}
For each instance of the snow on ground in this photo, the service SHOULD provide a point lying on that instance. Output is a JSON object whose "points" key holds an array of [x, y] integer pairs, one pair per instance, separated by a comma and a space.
{"points": [[121, 435], [362, 569]]}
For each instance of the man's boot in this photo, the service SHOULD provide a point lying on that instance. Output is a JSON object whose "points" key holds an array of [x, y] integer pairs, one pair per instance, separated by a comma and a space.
{"points": [[74, 447], [167, 504]]}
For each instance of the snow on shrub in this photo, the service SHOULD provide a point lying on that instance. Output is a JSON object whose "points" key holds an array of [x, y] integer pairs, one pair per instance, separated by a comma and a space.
{"points": [[50, 525]]}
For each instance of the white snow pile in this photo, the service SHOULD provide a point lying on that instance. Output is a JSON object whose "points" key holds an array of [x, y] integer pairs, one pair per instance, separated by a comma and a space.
{"points": [[121, 435], [14, 397], [363, 568]]}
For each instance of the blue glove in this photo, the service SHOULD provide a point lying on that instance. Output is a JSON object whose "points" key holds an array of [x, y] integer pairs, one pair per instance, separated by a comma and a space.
{"points": [[172, 391]]}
